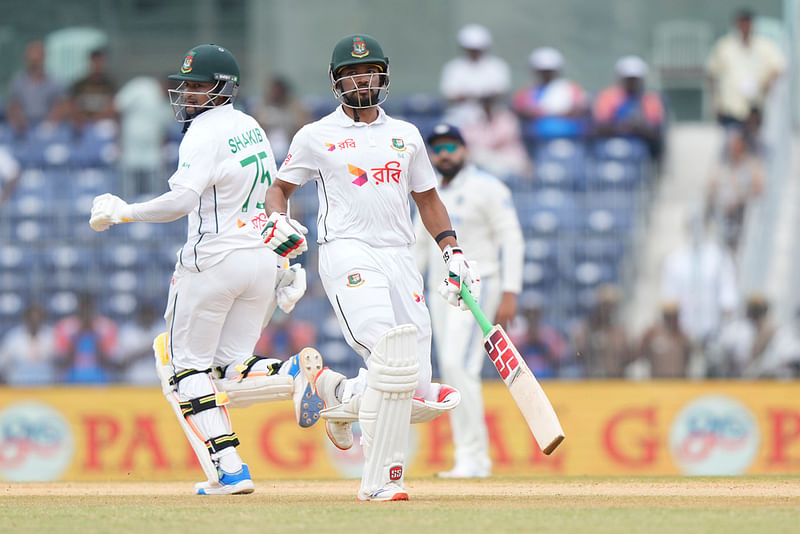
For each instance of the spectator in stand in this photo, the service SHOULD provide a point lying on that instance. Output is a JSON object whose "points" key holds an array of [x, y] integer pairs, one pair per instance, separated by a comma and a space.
{"points": [[92, 97], [664, 345], [34, 97], [742, 69], [10, 174], [701, 277], [735, 183], [553, 106], [145, 119], [601, 341], [495, 141], [474, 77], [543, 346], [627, 109], [281, 115], [742, 342], [134, 354], [781, 356], [27, 351], [86, 343]]}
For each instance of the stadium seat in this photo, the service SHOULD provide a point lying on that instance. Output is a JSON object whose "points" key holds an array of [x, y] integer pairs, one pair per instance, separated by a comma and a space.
{"points": [[605, 175], [598, 248], [621, 149], [608, 221]]}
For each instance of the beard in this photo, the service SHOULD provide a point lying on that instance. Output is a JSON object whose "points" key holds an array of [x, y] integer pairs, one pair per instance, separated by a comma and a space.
{"points": [[354, 101], [448, 171]]}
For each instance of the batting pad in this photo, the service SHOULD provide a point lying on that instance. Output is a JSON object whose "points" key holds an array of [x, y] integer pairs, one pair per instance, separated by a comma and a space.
{"points": [[254, 389], [385, 411], [165, 371]]}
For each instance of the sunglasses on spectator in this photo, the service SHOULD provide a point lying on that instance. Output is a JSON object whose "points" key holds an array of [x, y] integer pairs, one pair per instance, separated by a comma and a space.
{"points": [[445, 147]]}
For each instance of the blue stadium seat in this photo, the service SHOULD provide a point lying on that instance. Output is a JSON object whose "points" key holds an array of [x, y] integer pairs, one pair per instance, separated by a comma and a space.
{"points": [[614, 174], [542, 249], [598, 248], [547, 212], [608, 221], [12, 304], [592, 273], [621, 148]]}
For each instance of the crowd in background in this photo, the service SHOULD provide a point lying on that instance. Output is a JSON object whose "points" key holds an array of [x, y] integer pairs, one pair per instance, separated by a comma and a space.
{"points": [[703, 328]]}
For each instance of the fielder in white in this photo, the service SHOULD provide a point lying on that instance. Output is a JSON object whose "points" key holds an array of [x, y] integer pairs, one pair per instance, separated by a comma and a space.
{"points": [[365, 165], [482, 213], [226, 281]]}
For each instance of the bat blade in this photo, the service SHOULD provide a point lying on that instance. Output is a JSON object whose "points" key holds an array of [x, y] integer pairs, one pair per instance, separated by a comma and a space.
{"points": [[525, 389]]}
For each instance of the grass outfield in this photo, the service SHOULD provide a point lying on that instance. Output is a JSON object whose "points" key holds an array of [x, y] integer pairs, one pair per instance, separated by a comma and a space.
{"points": [[537, 505]]}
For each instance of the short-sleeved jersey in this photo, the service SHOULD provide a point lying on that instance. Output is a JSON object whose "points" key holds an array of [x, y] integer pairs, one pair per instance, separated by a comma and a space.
{"points": [[226, 159], [365, 173]]}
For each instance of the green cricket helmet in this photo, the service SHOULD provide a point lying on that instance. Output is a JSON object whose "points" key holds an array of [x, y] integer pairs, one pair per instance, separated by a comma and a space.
{"points": [[359, 49], [206, 63]]}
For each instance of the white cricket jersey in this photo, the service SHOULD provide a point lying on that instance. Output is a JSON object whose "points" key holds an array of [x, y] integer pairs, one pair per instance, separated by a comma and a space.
{"points": [[483, 216], [226, 159], [364, 173]]}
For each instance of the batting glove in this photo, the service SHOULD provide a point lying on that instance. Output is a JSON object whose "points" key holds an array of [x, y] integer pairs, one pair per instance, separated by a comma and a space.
{"points": [[291, 287], [108, 210], [458, 272], [285, 235]]}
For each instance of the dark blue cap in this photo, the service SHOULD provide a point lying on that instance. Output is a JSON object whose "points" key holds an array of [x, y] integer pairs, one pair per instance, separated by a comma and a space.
{"points": [[445, 130]]}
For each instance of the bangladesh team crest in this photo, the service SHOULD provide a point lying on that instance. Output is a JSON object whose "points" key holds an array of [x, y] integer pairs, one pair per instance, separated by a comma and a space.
{"points": [[359, 48], [354, 280], [187, 62], [398, 144]]}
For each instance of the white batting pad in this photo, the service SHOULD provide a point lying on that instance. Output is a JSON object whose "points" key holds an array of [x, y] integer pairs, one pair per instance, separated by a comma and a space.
{"points": [[423, 411], [255, 389], [385, 411], [165, 371]]}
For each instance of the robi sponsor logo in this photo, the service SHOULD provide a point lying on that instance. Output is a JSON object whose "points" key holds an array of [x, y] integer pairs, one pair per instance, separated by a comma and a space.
{"points": [[714, 435], [36, 443]]}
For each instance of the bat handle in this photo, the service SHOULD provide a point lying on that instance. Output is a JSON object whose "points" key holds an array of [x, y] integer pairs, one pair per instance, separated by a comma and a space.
{"points": [[484, 323]]}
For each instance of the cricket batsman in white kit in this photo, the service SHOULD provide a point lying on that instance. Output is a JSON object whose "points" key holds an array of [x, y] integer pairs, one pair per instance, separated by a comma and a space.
{"points": [[365, 165], [226, 281], [483, 214]]}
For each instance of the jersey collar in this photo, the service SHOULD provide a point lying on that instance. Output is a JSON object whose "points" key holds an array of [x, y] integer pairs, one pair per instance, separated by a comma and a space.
{"points": [[343, 119]]}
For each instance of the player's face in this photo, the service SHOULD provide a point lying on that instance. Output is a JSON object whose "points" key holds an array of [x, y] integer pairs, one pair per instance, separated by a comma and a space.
{"points": [[196, 96], [448, 156], [360, 84]]}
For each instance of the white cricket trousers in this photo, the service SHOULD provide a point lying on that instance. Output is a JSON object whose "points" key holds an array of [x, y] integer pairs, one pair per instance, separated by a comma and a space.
{"points": [[460, 355], [374, 289], [214, 317]]}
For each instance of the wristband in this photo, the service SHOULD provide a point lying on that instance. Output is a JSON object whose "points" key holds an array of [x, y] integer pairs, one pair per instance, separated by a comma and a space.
{"points": [[446, 233]]}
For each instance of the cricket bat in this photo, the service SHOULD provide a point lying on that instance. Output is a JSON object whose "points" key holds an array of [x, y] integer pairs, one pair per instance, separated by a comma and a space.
{"points": [[523, 386]]}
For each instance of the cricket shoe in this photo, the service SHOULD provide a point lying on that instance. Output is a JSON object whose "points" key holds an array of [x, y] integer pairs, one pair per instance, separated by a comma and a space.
{"points": [[390, 492], [339, 432], [304, 367], [238, 483], [461, 471]]}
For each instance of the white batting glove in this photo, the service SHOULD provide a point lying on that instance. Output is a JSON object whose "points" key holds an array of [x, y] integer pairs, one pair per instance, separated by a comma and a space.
{"points": [[458, 272], [108, 210], [291, 287], [285, 236]]}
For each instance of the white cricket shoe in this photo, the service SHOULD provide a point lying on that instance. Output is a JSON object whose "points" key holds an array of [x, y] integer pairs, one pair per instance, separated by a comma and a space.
{"points": [[390, 492], [238, 483], [464, 471], [325, 383], [305, 366]]}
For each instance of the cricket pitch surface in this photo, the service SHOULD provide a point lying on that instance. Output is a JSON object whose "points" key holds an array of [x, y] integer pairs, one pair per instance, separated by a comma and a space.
{"points": [[541, 505]]}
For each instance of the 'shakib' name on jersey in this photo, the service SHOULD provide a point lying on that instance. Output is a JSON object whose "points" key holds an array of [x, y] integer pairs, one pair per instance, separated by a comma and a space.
{"points": [[245, 139]]}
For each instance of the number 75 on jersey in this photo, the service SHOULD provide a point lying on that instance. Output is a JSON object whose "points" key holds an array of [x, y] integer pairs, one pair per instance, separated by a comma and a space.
{"points": [[523, 386]]}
